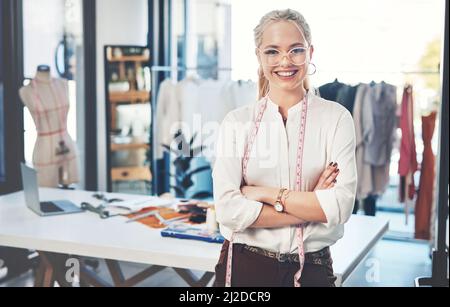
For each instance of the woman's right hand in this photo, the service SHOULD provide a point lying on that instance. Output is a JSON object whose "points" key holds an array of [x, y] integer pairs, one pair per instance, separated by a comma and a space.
{"points": [[327, 179]]}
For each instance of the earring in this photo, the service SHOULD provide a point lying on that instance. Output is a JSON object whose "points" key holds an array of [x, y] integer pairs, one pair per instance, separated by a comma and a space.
{"points": [[315, 69]]}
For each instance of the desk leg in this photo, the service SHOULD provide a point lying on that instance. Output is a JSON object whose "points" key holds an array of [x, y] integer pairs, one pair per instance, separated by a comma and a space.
{"points": [[119, 279], [192, 280], [338, 282], [52, 267], [44, 273], [88, 277]]}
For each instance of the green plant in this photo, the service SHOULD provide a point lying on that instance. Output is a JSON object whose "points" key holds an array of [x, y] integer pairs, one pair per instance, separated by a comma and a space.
{"points": [[430, 61], [185, 153]]}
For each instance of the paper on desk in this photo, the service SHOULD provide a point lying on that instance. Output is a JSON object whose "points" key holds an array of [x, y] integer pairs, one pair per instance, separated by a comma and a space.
{"points": [[137, 204]]}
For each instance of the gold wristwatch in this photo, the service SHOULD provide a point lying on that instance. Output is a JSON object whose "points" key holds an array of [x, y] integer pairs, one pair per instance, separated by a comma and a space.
{"points": [[278, 204]]}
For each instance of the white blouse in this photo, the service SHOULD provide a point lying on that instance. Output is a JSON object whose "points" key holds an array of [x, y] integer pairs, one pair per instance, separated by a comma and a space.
{"points": [[329, 137]]}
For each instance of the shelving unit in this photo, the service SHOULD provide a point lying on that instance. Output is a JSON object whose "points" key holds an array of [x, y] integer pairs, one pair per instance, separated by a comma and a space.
{"points": [[131, 173], [124, 68], [130, 146], [130, 97]]}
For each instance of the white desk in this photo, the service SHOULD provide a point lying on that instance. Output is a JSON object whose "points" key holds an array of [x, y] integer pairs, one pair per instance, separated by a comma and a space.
{"points": [[85, 234]]}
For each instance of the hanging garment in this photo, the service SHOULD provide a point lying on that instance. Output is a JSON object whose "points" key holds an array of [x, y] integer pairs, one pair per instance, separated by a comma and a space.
{"points": [[55, 155], [380, 134], [167, 113], [372, 179], [243, 93], [365, 179], [407, 165], [203, 108], [346, 97], [196, 107], [381, 108], [330, 91], [427, 178]]}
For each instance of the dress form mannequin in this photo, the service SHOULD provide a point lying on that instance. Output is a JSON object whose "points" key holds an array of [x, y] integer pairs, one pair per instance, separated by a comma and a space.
{"points": [[55, 155]]}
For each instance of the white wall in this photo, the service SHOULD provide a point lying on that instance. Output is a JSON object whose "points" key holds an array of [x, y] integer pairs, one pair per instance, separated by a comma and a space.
{"points": [[41, 34], [118, 23]]}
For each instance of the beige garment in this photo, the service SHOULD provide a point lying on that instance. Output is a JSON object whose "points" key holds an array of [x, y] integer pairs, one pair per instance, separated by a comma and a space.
{"points": [[197, 107], [372, 180], [55, 156], [168, 112], [364, 170]]}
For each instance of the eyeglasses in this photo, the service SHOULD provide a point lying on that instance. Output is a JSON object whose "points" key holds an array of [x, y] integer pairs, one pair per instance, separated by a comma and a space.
{"points": [[273, 57]]}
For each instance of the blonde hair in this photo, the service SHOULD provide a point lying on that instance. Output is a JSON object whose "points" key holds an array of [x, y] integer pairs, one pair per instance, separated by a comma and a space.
{"points": [[274, 16]]}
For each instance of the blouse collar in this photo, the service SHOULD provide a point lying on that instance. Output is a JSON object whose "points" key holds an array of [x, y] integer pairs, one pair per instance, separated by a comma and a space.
{"points": [[295, 108]]}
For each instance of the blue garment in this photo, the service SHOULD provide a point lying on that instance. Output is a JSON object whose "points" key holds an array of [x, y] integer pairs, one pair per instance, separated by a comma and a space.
{"points": [[330, 91], [346, 97]]}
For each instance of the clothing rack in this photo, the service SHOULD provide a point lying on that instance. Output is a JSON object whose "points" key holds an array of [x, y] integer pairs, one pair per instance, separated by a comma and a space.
{"points": [[154, 95]]}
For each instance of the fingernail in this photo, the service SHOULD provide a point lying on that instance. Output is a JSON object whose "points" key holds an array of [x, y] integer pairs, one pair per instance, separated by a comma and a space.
{"points": [[331, 163], [334, 181], [335, 164], [337, 170]]}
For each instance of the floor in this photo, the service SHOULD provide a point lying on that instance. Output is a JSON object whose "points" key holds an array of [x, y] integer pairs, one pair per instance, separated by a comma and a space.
{"points": [[391, 263]]}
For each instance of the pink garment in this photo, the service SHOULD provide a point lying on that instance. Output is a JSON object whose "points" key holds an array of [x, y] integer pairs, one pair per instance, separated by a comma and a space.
{"points": [[424, 203], [407, 165]]}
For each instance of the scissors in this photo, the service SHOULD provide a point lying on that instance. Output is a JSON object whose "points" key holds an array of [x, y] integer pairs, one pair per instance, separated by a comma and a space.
{"points": [[101, 196], [101, 210]]}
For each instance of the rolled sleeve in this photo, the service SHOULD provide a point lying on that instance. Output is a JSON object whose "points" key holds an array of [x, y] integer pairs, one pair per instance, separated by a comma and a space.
{"points": [[233, 210], [337, 203]]}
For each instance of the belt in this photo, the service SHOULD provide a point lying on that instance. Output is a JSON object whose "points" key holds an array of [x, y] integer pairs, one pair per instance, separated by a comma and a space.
{"points": [[321, 257]]}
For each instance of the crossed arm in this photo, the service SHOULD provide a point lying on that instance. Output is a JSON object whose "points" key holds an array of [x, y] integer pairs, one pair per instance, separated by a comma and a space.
{"points": [[239, 208], [299, 207]]}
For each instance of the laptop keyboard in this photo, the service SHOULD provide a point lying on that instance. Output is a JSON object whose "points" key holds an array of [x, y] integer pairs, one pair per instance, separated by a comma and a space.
{"points": [[49, 207]]}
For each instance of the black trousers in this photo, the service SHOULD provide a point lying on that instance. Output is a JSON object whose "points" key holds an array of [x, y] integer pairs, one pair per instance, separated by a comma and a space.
{"points": [[254, 270]]}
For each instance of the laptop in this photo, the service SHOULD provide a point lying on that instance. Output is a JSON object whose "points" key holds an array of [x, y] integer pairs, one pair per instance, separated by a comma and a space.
{"points": [[46, 208]]}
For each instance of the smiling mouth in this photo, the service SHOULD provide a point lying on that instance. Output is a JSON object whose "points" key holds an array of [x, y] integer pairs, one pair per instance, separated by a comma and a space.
{"points": [[286, 74]]}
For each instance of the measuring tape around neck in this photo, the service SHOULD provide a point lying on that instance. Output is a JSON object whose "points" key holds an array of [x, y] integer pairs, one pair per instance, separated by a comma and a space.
{"points": [[298, 181]]}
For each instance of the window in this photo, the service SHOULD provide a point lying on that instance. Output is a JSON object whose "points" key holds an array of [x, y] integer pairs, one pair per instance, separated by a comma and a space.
{"points": [[201, 36], [2, 123], [2, 143], [53, 36]]}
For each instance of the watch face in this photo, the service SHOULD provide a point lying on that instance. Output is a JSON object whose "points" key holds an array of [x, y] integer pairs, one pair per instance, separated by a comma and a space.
{"points": [[278, 207]]}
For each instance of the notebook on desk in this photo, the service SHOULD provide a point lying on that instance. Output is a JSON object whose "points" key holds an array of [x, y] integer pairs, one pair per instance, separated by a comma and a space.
{"points": [[186, 231]]}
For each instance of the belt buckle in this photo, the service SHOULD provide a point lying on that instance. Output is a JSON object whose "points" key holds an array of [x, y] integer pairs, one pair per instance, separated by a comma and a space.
{"points": [[282, 257]]}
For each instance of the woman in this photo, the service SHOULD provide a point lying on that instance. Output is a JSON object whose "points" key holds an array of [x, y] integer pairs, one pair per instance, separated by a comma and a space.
{"points": [[285, 172]]}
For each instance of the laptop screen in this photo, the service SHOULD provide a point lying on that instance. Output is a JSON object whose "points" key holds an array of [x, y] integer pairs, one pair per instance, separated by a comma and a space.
{"points": [[30, 187]]}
